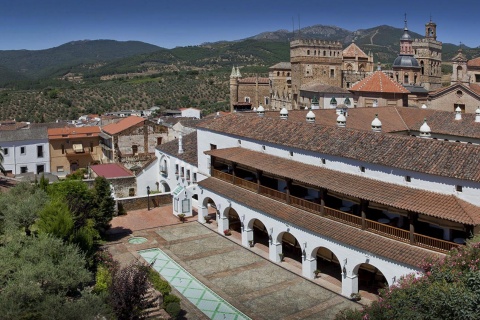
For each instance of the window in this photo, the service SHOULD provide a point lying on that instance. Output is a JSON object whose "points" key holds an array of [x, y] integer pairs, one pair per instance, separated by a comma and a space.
{"points": [[60, 169], [461, 106], [194, 178], [40, 168], [175, 205], [63, 149], [89, 134], [239, 141], [23, 169], [188, 175], [5, 151], [362, 168], [91, 146], [477, 78], [131, 192], [159, 141], [247, 99], [458, 188], [185, 205], [324, 161], [134, 149], [213, 146], [176, 169], [291, 153], [40, 151], [263, 148], [22, 150], [408, 178], [182, 171], [332, 73]]}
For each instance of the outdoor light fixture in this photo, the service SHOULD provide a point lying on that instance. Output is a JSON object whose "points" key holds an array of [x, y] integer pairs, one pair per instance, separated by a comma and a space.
{"points": [[148, 198]]}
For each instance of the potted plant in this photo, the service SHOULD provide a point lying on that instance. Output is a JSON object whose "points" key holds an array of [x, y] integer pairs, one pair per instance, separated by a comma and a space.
{"points": [[227, 232], [181, 217], [250, 243], [281, 255], [356, 296], [208, 219], [316, 272]]}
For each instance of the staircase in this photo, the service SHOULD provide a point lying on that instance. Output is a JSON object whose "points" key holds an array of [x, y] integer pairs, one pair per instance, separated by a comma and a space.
{"points": [[154, 298]]}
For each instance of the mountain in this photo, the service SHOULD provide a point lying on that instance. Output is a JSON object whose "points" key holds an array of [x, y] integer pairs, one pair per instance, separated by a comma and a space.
{"points": [[34, 64]]}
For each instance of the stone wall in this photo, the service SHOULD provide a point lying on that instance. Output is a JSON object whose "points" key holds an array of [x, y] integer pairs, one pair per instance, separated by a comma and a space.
{"points": [[135, 203]]}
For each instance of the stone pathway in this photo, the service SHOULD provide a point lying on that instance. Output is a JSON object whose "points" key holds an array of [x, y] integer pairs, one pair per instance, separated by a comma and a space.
{"points": [[255, 286]]}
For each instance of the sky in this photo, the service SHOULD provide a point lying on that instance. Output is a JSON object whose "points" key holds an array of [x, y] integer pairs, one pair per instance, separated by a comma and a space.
{"points": [[42, 24]]}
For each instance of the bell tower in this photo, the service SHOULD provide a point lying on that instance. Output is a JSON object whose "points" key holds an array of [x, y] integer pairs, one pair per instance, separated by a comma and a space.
{"points": [[431, 30]]}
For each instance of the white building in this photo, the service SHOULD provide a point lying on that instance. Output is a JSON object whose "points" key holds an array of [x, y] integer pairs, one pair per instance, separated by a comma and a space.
{"points": [[190, 113], [25, 150], [366, 206]]}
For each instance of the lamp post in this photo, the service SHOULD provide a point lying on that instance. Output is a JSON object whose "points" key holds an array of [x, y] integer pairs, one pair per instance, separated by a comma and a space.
{"points": [[148, 198]]}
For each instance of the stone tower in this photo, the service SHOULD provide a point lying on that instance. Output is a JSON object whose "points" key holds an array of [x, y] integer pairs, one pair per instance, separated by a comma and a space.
{"points": [[314, 61], [459, 66], [428, 52]]}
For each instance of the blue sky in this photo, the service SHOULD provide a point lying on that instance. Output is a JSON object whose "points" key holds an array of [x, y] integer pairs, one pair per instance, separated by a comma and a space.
{"points": [[41, 24]]}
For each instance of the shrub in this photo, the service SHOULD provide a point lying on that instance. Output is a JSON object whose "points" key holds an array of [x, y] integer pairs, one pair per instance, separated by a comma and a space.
{"points": [[170, 298], [158, 283], [173, 309], [103, 279]]}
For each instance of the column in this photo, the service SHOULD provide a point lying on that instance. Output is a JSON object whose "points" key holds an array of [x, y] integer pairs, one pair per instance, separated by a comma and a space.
{"points": [[234, 168], [289, 186], [309, 265], [202, 212], [349, 283], [363, 211], [412, 217], [323, 194], [274, 249], [247, 236], [259, 176]]}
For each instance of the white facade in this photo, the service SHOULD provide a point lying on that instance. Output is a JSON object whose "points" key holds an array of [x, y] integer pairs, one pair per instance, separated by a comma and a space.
{"points": [[190, 113], [25, 155]]}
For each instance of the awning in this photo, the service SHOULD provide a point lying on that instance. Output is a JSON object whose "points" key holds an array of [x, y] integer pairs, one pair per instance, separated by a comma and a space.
{"points": [[178, 190], [78, 147]]}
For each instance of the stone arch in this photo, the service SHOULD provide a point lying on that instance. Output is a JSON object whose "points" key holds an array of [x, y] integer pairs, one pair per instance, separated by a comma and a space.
{"points": [[234, 222], [258, 232], [328, 263], [164, 186], [422, 66], [291, 247], [349, 67], [361, 67], [209, 208], [459, 72], [370, 278]]}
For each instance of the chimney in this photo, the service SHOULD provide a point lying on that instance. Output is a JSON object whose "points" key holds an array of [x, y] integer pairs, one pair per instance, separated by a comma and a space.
{"points": [[376, 124], [310, 117], [458, 113], [180, 144], [477, 115], [341, 120]]}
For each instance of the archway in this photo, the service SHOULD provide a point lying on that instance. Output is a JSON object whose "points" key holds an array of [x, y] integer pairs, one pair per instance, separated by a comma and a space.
{"points": [[260, 233], [290, 246], [370, 279], [234, 223], [209, 210], [328, 264], [164, 187]]}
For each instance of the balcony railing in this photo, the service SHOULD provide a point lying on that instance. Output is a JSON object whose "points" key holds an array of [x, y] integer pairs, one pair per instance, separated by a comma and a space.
{"points": [[344, 217]]}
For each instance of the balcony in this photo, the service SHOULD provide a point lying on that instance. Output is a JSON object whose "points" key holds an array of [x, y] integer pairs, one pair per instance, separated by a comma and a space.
{"points": [[311, 205]]}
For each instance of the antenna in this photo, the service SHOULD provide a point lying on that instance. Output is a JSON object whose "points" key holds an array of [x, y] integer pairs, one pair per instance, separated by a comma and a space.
{"points": [[299, 29], [405, 20], [293, 25]]}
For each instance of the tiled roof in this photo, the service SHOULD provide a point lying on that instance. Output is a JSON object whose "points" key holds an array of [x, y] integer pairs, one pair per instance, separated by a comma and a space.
{"points": [[472, 87], [378, 82], [114, 128], [376, 244], [282, 65], [454, 160], [475, 87], [254, 80], [24, 134], [353, 50], [189, 154], [111, 170], [70, 132], [323, 88], [428, 203], [474, 62]]}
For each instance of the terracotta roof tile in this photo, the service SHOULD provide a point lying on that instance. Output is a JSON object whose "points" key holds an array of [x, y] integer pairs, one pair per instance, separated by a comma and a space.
{"points": [[454, 160], [111, 170], [378, 82], [474, 62], [281, 65], [353, 50], [189, 154], [114, 128], [73, 132], [376, 244], [406, 198]]}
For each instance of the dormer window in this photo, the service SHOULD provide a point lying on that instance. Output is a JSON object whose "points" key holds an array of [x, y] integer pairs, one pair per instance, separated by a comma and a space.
{"points": [[408, 179], [291, 153], [324, 161], [458, 188], [362, 169]]}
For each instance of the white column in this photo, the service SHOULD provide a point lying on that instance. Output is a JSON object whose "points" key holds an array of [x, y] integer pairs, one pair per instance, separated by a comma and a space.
{"points": [[349, 283], [222, 223], [308, 266], [274, 249], [202, 212], [247, 235]]}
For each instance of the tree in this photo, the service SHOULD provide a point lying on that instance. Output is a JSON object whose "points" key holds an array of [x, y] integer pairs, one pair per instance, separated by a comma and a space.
{"points": [[42, 278], [55, 219], [105, 204], [448, 288], [127, 292], [21, 205]]}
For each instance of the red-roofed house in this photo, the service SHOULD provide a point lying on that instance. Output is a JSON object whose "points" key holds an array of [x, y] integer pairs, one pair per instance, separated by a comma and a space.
{"points": [[380, 90], [248, 93], [131, 141], [73, 148], [122, 180]]}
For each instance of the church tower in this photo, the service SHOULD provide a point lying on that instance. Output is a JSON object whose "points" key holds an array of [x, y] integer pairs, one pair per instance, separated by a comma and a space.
{"points": [[428, 52], [405, 67], [234, 87], [459, 64]]}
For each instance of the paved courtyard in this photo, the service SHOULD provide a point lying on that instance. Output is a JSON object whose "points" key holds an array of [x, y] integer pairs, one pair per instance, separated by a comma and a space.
{"points": [[257, 287]]}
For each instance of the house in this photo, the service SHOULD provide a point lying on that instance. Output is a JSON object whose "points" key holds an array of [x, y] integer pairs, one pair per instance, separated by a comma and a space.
{"points": [[191, 113], [73, 148], [122, 180], [364, 198], [25, 150], [131, 141]]}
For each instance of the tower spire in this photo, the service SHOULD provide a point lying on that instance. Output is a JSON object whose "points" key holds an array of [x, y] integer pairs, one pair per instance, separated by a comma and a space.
{"points": [[405, 28]]}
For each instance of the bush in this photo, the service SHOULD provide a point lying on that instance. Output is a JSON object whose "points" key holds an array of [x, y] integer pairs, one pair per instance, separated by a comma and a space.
{"points": [[158, 283], [173, 309], [103, 279], [170, 298]]}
